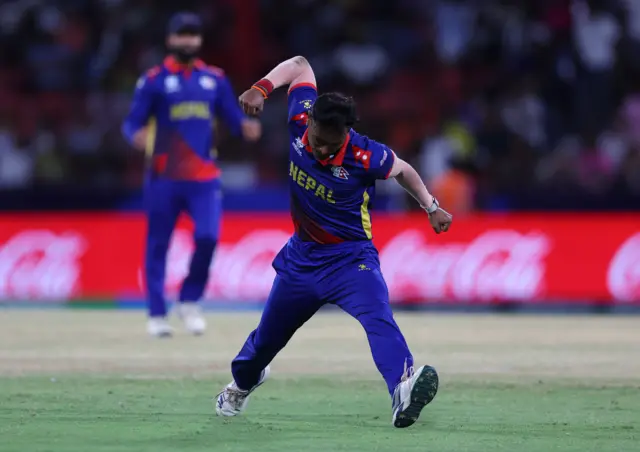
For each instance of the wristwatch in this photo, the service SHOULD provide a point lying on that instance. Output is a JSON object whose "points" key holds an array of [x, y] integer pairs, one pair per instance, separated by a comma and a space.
{"points": [[434, 206]]}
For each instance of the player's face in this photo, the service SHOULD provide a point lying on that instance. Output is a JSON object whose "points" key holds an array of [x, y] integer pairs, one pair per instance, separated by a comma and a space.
{"points": [[184, 45], [325, 141]]}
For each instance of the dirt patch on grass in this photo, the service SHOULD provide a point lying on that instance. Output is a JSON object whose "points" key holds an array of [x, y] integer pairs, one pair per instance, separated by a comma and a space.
{"points": [[480, 347]]}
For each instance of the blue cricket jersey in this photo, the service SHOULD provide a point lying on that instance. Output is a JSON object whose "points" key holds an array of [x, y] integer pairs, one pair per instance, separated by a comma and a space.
{"points": [[330, 199], [179, 104]]}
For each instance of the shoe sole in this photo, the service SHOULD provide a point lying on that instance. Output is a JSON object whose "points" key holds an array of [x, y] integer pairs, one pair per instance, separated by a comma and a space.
{"points": [[422, 393]]}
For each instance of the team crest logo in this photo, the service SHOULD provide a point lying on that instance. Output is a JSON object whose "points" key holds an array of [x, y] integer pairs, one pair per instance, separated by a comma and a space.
{"points": [[306, 104], [171, 84], [207, 82], [340, 172]]}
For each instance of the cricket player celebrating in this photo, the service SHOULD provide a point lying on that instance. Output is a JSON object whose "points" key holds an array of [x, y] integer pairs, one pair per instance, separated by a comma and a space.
{"points": [[330, 258], [171, 118]]}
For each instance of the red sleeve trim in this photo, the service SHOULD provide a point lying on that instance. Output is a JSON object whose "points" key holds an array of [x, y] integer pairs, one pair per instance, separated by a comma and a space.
{"points": [[393, 160], [302, 85]]}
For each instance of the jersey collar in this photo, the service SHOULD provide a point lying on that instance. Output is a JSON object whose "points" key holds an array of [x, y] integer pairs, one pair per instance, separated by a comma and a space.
{"points": [[174, 66], [337, 158]]}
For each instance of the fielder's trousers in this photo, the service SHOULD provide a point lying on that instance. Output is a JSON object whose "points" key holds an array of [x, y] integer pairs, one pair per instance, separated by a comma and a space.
{"points": [[164, 201]]}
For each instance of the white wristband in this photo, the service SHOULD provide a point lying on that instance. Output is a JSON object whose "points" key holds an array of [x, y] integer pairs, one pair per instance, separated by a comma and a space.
{"points": [[433, 207]]}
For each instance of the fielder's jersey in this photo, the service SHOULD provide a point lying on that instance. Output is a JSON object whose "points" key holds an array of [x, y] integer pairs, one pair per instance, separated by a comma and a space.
{"points": [[330, 199], [179, 105]]}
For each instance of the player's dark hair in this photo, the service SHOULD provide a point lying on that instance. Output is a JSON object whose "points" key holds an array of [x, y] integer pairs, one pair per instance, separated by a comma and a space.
{"points": [[334, 110]]}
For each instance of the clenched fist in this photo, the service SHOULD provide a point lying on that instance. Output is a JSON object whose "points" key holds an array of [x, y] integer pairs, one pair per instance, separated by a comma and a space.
{"points": [[252, 102], [440, 220]]}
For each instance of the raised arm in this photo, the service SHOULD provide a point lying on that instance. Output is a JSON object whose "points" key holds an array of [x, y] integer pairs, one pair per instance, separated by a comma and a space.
{"points": [[294, 71]]}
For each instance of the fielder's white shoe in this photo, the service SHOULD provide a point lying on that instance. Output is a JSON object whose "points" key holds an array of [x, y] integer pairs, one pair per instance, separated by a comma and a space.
{"points": [[412, 395], [232, 400], [159, 327], [191, 315]]}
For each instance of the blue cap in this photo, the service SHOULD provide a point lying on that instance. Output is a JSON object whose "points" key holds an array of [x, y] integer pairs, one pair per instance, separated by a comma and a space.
{"points": [[185, 22]]}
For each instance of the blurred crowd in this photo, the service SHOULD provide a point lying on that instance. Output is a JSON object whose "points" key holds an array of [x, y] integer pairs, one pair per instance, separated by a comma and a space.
{"points": [[500, 104]]}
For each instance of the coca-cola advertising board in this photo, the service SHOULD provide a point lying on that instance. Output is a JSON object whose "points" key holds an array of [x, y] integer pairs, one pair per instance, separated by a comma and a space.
{"points": [[533, 258]]}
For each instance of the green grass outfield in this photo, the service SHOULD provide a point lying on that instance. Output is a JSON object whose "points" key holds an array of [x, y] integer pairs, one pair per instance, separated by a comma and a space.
{"points": [[93, 382], [310, 414]]}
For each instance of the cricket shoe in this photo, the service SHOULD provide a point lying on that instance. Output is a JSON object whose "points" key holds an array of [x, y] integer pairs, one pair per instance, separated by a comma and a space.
{"points": [[192, 317], [159, 327], [232, 401], [415, 392]]}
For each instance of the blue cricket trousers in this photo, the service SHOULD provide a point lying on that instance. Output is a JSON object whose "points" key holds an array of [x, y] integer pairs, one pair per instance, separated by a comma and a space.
{"points": [[311, 275], [164, 201]]}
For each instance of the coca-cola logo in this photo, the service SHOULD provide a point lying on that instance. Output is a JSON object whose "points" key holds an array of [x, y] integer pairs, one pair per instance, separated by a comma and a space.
{"points": [[623, 275], [499, 264], [40, 264], [243, 271]]}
